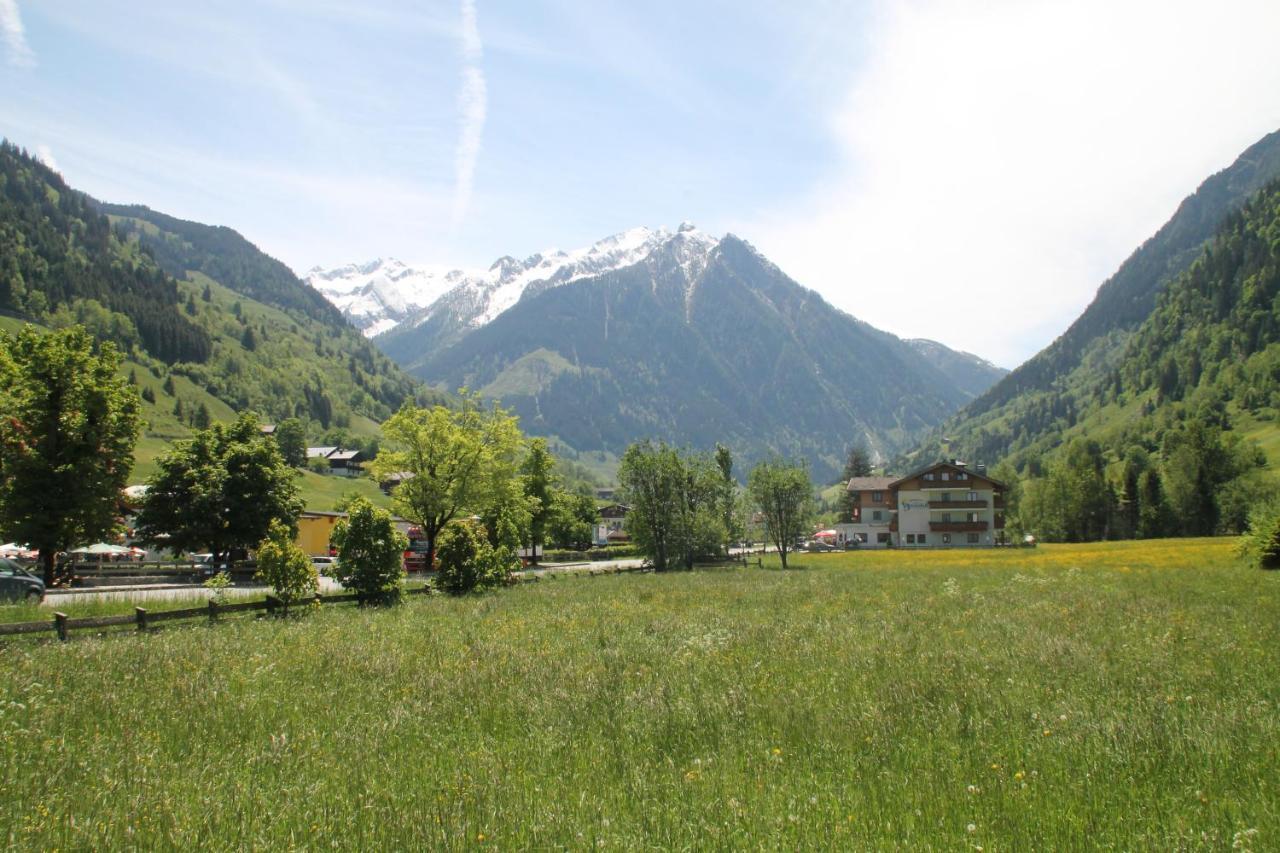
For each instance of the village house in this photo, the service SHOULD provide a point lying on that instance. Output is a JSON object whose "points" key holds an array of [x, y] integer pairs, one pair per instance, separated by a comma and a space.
{"points": [[611, 529], [872, 512], [945, 505], [344, 463], [315, 531]]}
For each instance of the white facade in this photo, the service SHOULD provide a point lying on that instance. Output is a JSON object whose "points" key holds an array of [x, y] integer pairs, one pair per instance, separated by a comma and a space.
{"points": [[947, 506]]}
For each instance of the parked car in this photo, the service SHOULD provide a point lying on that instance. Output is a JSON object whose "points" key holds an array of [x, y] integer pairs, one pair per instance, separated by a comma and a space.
{"points": [[817, 546], [18, 584], [324, 565]]}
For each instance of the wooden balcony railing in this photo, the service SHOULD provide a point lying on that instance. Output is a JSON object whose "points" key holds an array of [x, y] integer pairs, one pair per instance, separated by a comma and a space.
{"points": [[957, 526]]}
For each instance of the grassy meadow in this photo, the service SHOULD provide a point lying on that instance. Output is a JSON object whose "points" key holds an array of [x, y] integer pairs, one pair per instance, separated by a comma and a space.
{"points": [[1115, 695]]}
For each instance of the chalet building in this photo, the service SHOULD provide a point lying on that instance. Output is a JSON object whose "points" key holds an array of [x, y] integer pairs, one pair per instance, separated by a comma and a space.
{"points": [[344, 463], [945, 505], [873, 510], [611, 529], [390, 481]]}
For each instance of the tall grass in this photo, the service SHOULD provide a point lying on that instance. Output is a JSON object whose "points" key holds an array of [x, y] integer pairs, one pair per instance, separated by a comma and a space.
{"points": [[1076, 696]]}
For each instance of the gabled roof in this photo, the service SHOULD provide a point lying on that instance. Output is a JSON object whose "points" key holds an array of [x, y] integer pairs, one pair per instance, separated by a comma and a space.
{"points": [[869, 484], [343, 455], [319, 452], [949, 466]]}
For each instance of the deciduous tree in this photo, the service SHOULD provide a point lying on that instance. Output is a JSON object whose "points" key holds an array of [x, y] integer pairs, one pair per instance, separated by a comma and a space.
{"points": [[537, 473], [220, 490], [674, 514], [459, 459], [370, 550], [784, 494], [68, 425], [284, 567], [467, 561], [291, 437]]}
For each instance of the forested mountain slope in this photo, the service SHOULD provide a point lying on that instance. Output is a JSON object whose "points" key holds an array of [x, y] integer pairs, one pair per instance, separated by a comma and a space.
{"points": [[1042, 397], [222, 254], [1164, 445], [698, 341], [234, 327]]}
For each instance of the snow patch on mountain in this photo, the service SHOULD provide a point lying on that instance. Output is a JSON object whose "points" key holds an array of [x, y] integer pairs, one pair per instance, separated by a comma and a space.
{"points": [[379, 295]]}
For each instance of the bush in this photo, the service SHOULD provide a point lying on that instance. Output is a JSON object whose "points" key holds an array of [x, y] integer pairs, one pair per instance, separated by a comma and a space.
{"points": [[1261, 545], [284, 567], [370, 551], [467, 562]]}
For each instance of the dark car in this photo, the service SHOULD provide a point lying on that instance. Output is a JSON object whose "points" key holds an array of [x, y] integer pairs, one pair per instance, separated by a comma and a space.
{"points": [[817, 546], [18, 584]]}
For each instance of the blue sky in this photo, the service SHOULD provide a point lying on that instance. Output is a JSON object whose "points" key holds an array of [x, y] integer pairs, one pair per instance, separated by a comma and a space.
{"points": [[966, 171]]}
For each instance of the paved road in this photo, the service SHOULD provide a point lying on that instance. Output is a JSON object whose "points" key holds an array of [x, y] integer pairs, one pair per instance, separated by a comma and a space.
{"points": [[197, 594], [186, 592]]}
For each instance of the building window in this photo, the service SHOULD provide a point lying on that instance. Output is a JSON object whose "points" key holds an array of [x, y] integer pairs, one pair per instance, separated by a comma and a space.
{"points": [[973, 516], [973, 496], [961, 475], [928, 476], [946, 517], [877, 515], [911, 539], [946, 539], [862, 537], [946, 476], [877, 497], [973, 539], [920, 538], [882, 538], [946, 496]]}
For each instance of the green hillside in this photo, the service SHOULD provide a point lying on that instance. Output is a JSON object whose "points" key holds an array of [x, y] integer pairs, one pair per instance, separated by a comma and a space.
{"points": [[210, 326], [1211, 346], [1031, 408], [1176, 433]]}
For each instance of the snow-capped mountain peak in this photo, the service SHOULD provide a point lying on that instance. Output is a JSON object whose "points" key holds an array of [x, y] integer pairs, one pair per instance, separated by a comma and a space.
{"points": [[381, 294]]}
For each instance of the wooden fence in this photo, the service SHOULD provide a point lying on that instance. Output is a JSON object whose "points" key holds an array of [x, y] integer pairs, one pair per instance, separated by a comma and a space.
{"points": [[62, 625]]}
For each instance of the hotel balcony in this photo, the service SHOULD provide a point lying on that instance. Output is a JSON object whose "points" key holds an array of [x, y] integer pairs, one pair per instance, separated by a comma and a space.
{"points": [[957, 526], [958, 504]]}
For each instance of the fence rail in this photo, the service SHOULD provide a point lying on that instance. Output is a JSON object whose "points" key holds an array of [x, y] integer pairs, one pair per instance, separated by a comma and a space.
{"points": [[62, 625]]}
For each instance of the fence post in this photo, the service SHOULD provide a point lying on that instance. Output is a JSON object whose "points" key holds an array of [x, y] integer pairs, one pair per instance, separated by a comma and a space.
{"points": [[140, 616], [60, 625], [213, 610], [273, 603]]}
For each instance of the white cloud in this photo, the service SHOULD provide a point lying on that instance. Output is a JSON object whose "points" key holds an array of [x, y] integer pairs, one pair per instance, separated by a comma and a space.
{"points": [[45, 155], [1002, 159], [15, 36], [472, 108]]}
